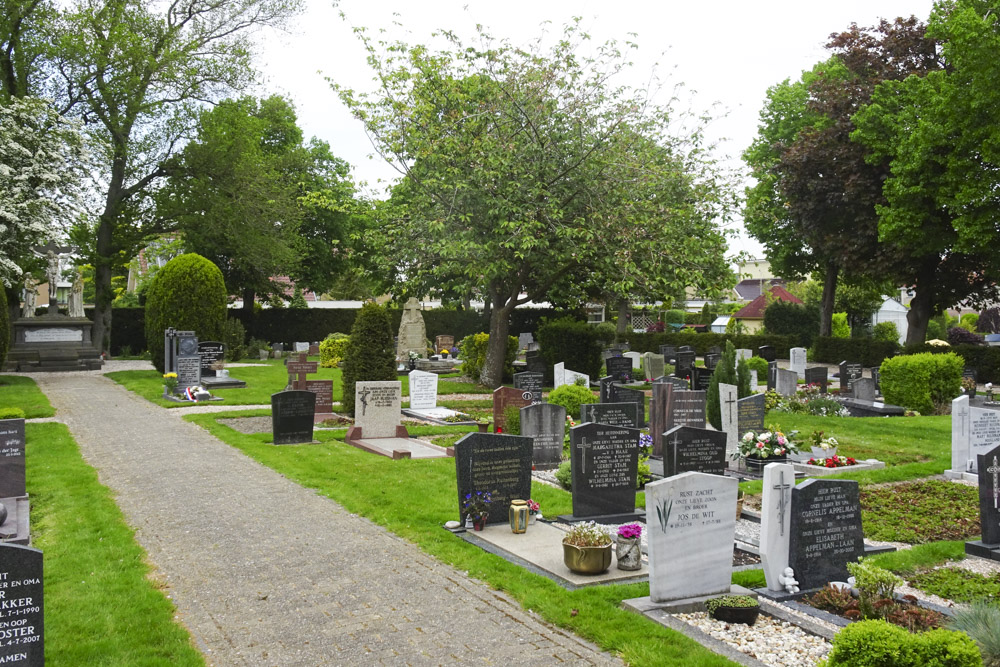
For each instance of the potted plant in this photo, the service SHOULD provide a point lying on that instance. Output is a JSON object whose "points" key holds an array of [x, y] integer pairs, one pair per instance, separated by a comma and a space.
{"points": [[759, 449], [734, 609], [534, 511], [969, 385], [628, 548], [413, 356], [823, 448], [476, 508], [587, 548], [169, 384]]}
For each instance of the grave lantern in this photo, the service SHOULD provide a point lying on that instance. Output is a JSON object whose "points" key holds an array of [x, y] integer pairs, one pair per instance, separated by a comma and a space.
{"points": [[518, 515]]}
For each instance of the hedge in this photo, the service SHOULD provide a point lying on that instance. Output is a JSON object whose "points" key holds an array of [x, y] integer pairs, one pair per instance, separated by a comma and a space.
{"points": [[923, 382], [643, 342], [985, 359], [866, 351], [572, 342]]}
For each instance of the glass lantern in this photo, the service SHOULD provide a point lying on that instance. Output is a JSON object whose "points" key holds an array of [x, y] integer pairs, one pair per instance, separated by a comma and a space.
{"points": [[518, 515]]}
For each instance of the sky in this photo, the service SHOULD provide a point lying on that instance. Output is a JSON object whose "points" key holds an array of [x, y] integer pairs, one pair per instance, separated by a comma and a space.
{"points": [[726, 53]]}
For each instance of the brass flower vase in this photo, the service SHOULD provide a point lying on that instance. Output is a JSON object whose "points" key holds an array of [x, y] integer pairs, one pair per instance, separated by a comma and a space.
{"points": [[587, 560]]}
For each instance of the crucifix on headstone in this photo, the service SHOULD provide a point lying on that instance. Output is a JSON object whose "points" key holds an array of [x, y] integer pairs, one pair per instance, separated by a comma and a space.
{"points": [[995, 471], [297, 371], [583, 447], [781, 488]]}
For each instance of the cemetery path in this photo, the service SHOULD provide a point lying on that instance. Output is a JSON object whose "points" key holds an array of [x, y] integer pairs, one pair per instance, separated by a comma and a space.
{"points": [[265, 572]]}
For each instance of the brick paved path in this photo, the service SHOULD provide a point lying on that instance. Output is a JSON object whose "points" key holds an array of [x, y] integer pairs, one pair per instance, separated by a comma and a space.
{"points": [[265, 572]]}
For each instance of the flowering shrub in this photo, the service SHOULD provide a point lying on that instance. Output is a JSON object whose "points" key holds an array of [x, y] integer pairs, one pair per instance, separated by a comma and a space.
{"points": [[630, 531]]}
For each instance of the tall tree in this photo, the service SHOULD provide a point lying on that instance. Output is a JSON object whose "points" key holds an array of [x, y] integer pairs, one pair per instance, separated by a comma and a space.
{"points": [[939, 136], [141, 71], [525, 170]]}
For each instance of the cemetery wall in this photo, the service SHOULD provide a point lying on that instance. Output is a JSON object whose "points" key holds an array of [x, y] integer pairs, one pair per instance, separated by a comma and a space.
{"points": [[651, 342], [867, 352]]}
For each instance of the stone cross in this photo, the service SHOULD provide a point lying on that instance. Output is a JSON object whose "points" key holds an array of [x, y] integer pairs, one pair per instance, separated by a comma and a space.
{"points": [[730, 404], [781, 487], [962, 418], [583, 447], [297, 371], [995, 471]]}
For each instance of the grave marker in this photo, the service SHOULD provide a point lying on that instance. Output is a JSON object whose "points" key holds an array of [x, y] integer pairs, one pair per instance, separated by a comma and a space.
{"points": [[864, 389], [504, 396], [797, 361], [767, 353], [604, 464], [12, 484], [775, 521], [529, 381], [817, 375], [730, 416], [685, 362], [212, 353], [545, 423], [825, 531], [324, 396], [750, 414], [497, 463], [989, 507], [423, 390], [611, 414], [377, 408], [619, 368], [700, 378], [298, 369], [22, 620], [292, 415], [634, 357], [652, 365], [605, 384], [712, 360], [686, 408], [658, 405], [772, 375], [689, 449], [669, 353], [786, 382], [620, 394], [849, 372], [534, 362]]}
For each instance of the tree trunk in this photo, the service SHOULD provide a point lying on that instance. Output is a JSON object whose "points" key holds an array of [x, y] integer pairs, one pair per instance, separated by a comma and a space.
{"points": [[248, 298], [826, 303], [918, 317], [103, 294], [622, 328], [496, 351], [13, 295]]}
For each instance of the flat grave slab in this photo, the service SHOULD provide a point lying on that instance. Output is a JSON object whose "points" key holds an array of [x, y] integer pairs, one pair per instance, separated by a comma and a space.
{"points": [[540, 550], [862, 408], [436, 416], [402, 448], [821, 471]]}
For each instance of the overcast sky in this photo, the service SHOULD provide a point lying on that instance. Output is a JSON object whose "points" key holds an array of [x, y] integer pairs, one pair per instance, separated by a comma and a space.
{"points": [[726, 53]]}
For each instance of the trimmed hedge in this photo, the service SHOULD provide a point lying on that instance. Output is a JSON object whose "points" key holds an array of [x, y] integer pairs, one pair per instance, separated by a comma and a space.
{"points": [[867, 351], [572, 342], [792, 319], [986, 360], [643, 342], [922, 382]]}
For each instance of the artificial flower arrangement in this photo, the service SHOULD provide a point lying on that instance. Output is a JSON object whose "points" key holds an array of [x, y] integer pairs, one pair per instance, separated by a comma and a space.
{"points": [[832, 462], [587, 534], [765, 445], [533, 506], [477, 504]]}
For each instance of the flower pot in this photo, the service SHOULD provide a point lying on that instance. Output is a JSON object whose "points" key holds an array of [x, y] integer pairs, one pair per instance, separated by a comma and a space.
{"points": [[820, 453], [483, 428], [628, 552], [587, 560], [746, 615], [480, 522], [756, 465]]}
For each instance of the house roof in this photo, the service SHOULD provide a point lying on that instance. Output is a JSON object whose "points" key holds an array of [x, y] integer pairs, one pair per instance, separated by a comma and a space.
{"points": [[755, 309], [751, 288]]}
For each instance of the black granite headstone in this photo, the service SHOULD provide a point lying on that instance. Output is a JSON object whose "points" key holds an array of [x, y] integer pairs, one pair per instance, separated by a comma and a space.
{"points": [[689, 449], [619, 368], [530, 381], [772, 375], [766, 352], [497, 463], [750, 412], [712, 360], [22, 617], [669, 353], [817, 375], [545, 423], [826, 531], [849, 372], [292, 415], [877, 377], [534, 362], [605, 388], [989, 496], [685, 362], [605, 462], [612, 414], [678, 383], [12, 458], [700, 378], [715, 349], [620, 394], [211, 353]]}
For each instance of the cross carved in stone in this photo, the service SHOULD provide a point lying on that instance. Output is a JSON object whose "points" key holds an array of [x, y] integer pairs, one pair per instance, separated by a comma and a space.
{"points": [[781, 487], [962, 415], [583, 446], [729, 401], [995, 471]]}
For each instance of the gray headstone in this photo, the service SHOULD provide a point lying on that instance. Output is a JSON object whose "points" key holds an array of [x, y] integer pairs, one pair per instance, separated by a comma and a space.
{"points": [[772, 375], [532, 382], [877, 379], [619, 368], [534, 362], [545, 423], [786, 382], [730, 416], [605, 463], [12, 458], [292, 415], [301, 346], [423, 391], [989, 496], [676, 382], [658, 404], [817, 375], [864, 389], [689, 449], [751, 412], [376, 408], [524, 340], [653, 365], [712, 360], [691, 527], [775, 521], [797, 361], [558, 375], [753, 380], [621, 394], [496, 463], [21, 590], [849, 372], [211, 353], [612, 414], [188, 370], [826, 531], [743, 353]]}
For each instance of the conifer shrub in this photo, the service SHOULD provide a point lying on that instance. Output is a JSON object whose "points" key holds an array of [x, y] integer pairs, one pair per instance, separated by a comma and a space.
{"points": [[725, 372], [187, 294], [370, 354]]}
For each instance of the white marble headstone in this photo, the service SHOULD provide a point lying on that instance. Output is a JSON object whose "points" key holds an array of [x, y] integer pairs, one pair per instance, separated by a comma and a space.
{"points": [[558, 375], [797, 361], [636, 359], [960, 434], [775, 521], [423, 390], [984, 434], [743, 353], [691, 524], [570, 377], [730, 416], [753, 380], [786, 382], [376, 408]]}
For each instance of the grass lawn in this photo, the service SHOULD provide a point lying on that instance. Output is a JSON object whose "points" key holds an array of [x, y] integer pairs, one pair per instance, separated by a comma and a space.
{"points": [[101, 607], [22, 392], [413, 498]]}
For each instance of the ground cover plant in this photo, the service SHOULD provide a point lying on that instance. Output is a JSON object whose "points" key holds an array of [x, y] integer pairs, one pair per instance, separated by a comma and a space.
{"points": [[345, 474], [22, 392], [958, 584], [918, 512], [101, 607]]}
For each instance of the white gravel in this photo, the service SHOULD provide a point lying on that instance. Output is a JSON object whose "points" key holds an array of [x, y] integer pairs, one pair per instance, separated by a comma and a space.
{"points": [[769, 640]]}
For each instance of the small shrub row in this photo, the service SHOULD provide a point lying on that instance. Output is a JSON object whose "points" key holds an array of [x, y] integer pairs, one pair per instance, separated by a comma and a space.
{"points": [[643, 342]]}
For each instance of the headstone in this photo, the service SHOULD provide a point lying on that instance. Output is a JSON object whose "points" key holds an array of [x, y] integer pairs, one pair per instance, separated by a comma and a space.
{"points": [[444, 342], [712, 360], [961, 457], [686, 408], [691, 527], [298, 368], [619, 368], [767, 353], [606, 385], [558, 375], [605, 461], [545, 423], [658, 404], [715, 349], [772, 375], [669, 353], [690, 449], [753, 380], [743, 353], [534, 362], [504, 396], [324, 395], [730, 416], [775, 521], [22, 628], [412, 336], [525, 341], [786, 382], [849, 372], [12, 458], [989, 497], [826, 531], [292, 415], [212, 354], [301, 347], [817, 375], [529, 381], [188, 370], [675, 382], [750, 414], [685, 362], [984, 433], [877, 379], [635, 358], [377, 408], [423, 390], [653, 364], [313, 349], [612, 414], [700, 378], [864, 389], [497, 463], [797, 361], [572, 377], [620, 394]]}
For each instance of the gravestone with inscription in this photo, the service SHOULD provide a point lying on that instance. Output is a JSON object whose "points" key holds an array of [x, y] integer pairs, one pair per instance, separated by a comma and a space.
{"points": [[22, 612], [685, 362], [691, 527], [750, 414], [730, 416], [504, 396], [712, 360], [669, 353], [974, 431], [825, 530], [676, 382], [324, 397], [545, 423], [213, 355], [767, 353], [613, 414], [772, 375], [797, 361], [292, 416], [377, 408], [186, 361], [658, 403], [423, 390], [849, 372], [496, 463], [652, 365], [635, 358], [864, 389], [686, 408], [775, 521], [689, 449], [817, 375], [620, 394], [701, 377], [743, 353], [12, 479], [605, 384], [786, 382], [619, 368], [989, 507], [604, 463], [534, 362], [298, 368], [528, 381]]}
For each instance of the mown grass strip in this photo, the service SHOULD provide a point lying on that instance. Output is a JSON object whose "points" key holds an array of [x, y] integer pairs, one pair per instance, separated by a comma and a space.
{"points": [[22, 392]]}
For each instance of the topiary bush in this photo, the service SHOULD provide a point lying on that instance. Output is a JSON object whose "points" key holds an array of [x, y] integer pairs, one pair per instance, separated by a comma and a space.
{"points": [[332, 349], [725, 372], [758, 364], [370, 354], [4, 326], [885, 332], [189, 294], [572, 342], [472, 351], [880, 644], [923, 382], [571, 397]]}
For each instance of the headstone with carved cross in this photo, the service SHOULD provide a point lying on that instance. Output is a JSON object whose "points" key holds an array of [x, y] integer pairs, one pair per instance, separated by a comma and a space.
{"points": [[730, 417], [775, 518], [989, 507], [298, 367], [604, 463]]}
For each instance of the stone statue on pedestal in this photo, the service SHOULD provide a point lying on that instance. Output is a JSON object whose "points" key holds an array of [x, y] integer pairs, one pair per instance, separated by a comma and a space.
{"points": [[76, 296], [30, 296], [52, 275]]}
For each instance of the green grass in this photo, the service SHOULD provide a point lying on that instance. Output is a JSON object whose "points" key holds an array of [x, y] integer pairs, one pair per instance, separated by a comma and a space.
{"points": [[101, 608], [919, 557], [413, 498], [22, 392]]}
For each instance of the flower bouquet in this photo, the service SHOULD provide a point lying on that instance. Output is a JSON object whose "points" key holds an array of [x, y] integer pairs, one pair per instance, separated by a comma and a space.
{"points": [[476, 508], [832, 462], [823, 448], [534, 511], [759, 449]]}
